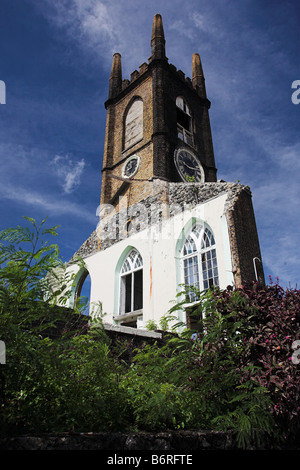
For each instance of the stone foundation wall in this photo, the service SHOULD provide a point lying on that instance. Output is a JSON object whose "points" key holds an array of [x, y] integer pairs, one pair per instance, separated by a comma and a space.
{"points": [[184, 441]]}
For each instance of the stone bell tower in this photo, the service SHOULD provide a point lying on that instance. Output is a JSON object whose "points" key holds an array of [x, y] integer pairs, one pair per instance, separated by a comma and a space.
{"points": [[149, 117]]}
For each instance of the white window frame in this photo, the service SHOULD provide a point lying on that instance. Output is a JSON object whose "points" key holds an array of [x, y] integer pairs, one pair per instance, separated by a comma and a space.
{"points": [[131, 265], [204, 254]]}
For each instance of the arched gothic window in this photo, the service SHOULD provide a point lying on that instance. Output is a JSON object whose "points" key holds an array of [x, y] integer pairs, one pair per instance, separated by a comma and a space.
{"points": [[199, 260], [131, 294], [134, 123], [82, 291], [184, 121]]}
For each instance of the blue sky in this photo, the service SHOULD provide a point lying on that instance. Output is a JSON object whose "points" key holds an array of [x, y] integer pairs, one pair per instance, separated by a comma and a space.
{"points": [[55, 62]]}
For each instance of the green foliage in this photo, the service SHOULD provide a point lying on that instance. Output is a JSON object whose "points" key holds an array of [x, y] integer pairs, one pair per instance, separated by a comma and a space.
{"points": [[222, 375], [233, 372], [151, 325], [190, 179], [156, 402], [164, 323], [59, 375]]}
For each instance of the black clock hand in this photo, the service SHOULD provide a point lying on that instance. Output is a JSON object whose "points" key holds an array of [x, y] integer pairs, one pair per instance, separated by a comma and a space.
{"points": [[192, 167]]}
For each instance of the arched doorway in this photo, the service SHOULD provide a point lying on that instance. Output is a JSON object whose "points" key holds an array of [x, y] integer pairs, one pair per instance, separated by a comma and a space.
{"points": [[83, 292]]}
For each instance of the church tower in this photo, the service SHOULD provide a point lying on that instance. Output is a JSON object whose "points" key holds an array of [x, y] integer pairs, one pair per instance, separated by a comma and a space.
{"points": [[164, 218], [157, 125]]}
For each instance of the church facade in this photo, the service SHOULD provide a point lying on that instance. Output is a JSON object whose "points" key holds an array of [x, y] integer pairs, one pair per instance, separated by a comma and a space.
{"points": [[164, 219]]}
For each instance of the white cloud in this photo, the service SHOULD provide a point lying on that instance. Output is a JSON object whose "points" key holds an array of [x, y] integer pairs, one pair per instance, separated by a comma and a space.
{"points": [[69, 171], [27, 181], [48, 204], [89, 24], [204, 23], [182, 28]]}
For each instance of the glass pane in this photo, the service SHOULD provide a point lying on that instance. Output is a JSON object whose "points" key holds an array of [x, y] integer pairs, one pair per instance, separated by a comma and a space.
{"points": [[126, 267], [180, 133], [138, 262], [132, 255], [189, 139], [207, 239], [191, 272], [204, 241], [196, 230], [189, 246], [209, 269]]}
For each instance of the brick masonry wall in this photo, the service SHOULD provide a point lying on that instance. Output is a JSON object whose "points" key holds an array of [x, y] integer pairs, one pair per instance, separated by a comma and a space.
{"points": [[179, 85], [157, 84], [244, 239], [114, 152]]}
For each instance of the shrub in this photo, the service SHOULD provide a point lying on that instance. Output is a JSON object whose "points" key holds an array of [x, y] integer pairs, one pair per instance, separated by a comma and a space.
{"points": [[246, 345], [59, 374]]}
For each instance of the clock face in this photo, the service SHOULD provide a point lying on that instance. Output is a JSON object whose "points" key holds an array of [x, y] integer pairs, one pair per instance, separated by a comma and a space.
{"points": [[188, 166], [131, 166]]}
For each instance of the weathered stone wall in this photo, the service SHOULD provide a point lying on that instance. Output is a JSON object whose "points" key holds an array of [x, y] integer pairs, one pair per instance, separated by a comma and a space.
{"points": [[115, 151], [174, 442], [166, 200], [244, 241], [184, 441]]}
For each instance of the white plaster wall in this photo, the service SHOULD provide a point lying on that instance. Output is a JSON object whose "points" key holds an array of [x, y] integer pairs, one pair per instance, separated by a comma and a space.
{"points": [[161, 266]]}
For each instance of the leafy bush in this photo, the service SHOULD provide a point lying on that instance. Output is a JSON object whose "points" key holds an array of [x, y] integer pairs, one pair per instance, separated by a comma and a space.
{"points": [[59, 375], [246, 346], [157, 402], [233, 373], [273, 319]]}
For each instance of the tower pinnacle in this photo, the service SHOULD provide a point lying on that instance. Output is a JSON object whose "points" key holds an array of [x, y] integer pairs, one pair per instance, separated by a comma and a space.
{"points": [[197, 75], [158, 38], [115, 81]]}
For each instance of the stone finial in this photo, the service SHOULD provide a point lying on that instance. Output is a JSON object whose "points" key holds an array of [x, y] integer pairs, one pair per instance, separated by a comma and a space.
{"points": [[197, 75], [158, 38], [115, 81]]}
